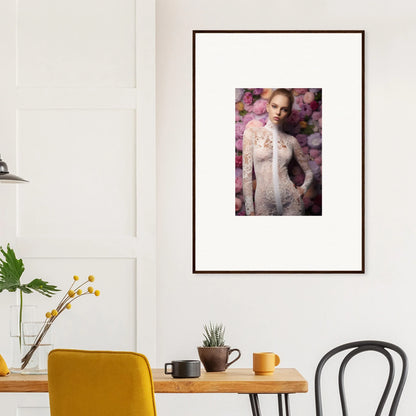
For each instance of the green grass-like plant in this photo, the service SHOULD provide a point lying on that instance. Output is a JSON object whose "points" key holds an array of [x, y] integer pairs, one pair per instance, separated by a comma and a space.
{"points": [[213, 335]]}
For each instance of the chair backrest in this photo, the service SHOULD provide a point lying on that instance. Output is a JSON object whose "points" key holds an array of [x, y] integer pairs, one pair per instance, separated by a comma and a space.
{"points": [[100, 383], [356, 348]]}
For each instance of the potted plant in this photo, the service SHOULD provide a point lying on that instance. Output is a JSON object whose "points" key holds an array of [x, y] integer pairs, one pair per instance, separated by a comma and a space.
{"points": [[11, 270], [214, 353]]}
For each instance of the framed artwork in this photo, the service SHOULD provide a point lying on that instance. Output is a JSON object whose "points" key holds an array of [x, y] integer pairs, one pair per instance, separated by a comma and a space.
{"points": [[278, 152]]}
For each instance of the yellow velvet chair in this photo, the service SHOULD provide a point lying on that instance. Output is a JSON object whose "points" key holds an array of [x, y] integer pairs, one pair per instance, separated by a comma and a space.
{"points": [[100, 383]]}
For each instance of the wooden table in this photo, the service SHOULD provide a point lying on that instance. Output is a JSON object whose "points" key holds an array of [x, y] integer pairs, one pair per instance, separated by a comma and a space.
{"points": [[283, 382]]}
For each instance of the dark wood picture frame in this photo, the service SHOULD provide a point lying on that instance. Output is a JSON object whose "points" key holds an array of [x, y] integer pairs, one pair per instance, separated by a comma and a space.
{"points": [[359, 267]]}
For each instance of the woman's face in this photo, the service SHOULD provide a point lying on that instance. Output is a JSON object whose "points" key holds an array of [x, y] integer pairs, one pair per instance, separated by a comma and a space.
{"points": [[278, 109]]}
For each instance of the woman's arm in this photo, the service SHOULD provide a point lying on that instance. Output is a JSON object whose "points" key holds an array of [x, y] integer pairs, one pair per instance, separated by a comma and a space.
{"points": [[248, 140], [303, 163]]}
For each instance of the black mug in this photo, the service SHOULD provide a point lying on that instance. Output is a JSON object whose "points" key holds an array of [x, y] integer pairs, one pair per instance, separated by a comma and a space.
{"points": [[184, 368]]}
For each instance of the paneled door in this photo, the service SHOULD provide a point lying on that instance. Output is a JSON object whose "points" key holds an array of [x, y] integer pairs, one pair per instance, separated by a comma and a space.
{"points": [[77, 120]]}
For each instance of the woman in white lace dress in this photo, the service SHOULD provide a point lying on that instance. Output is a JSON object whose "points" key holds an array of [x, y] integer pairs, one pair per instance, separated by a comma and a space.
{"points": [[269, 149]]}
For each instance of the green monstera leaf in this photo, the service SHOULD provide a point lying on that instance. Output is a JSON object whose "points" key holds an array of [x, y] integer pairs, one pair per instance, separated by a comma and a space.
{"points": [[11, 269]]}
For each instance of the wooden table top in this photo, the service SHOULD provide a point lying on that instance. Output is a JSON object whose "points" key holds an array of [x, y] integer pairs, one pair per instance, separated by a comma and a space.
{"points": [[236, 380]]}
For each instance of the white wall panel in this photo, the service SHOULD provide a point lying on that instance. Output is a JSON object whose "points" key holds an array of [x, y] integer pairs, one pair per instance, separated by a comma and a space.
{"points": [[33, 411], [76, 43], [81, 165]]}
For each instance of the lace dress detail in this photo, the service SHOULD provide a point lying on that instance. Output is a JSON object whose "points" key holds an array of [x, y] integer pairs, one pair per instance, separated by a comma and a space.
{"points": [[269, 150]]}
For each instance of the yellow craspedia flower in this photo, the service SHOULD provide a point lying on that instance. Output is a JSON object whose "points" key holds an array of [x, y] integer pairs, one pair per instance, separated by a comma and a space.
{"points": [[91, 278], [68, 306], [79, 292], [303, 124], [48, 314], [54, 312], [90, 289], [97, 293], [76, 277], [239, 106], [71, 293]]}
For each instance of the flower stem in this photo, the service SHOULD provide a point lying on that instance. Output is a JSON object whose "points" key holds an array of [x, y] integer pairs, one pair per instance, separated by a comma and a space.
{"points": [[20, 319]]}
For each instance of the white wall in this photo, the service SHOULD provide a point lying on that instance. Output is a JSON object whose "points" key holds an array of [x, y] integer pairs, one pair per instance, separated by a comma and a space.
{"points": [[299, 317]]}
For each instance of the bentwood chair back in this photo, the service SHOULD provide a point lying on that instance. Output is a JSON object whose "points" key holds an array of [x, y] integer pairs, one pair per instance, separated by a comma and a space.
{"points": [[100, 383], [355, 348]]}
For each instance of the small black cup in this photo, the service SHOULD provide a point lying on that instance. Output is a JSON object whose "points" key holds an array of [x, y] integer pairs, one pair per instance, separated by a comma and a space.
{"points": [[184, 368]]}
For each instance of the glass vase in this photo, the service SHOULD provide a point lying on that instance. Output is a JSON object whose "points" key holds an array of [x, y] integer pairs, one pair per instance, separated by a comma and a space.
{"points": [[37, 341], [17, 316]]}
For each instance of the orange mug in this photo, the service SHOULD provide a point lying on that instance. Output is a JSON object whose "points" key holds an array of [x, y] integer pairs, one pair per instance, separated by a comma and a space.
{"points": [[265, 362]]}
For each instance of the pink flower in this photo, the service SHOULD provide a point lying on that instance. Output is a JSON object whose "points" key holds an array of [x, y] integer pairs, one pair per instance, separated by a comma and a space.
{"points": [[239, 130], [316, 115], [314, 105], [315, 153], [297, 103], [254, 123], [247, 118], [318, 160], [247, 98], [238, 185], [259, 107], [302, 139], [315, 141], [308, 97], [257, 91], [239, 145], [316, 170], [238, 204], [299, 91], [239, 173], [294, 118], [238, 94], [238, 161], [305, 110], [267, 92], [305, 150]]}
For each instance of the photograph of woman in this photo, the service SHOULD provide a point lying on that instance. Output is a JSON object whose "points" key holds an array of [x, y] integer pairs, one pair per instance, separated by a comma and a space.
{"points": [[269, 157]]}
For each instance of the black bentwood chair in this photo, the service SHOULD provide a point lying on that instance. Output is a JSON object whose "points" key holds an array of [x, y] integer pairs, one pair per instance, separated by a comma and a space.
{"points": [[356, 348]]}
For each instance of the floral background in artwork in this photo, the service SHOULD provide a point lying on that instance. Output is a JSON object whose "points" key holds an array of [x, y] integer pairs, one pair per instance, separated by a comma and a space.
{"points": [[305, 123]]}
